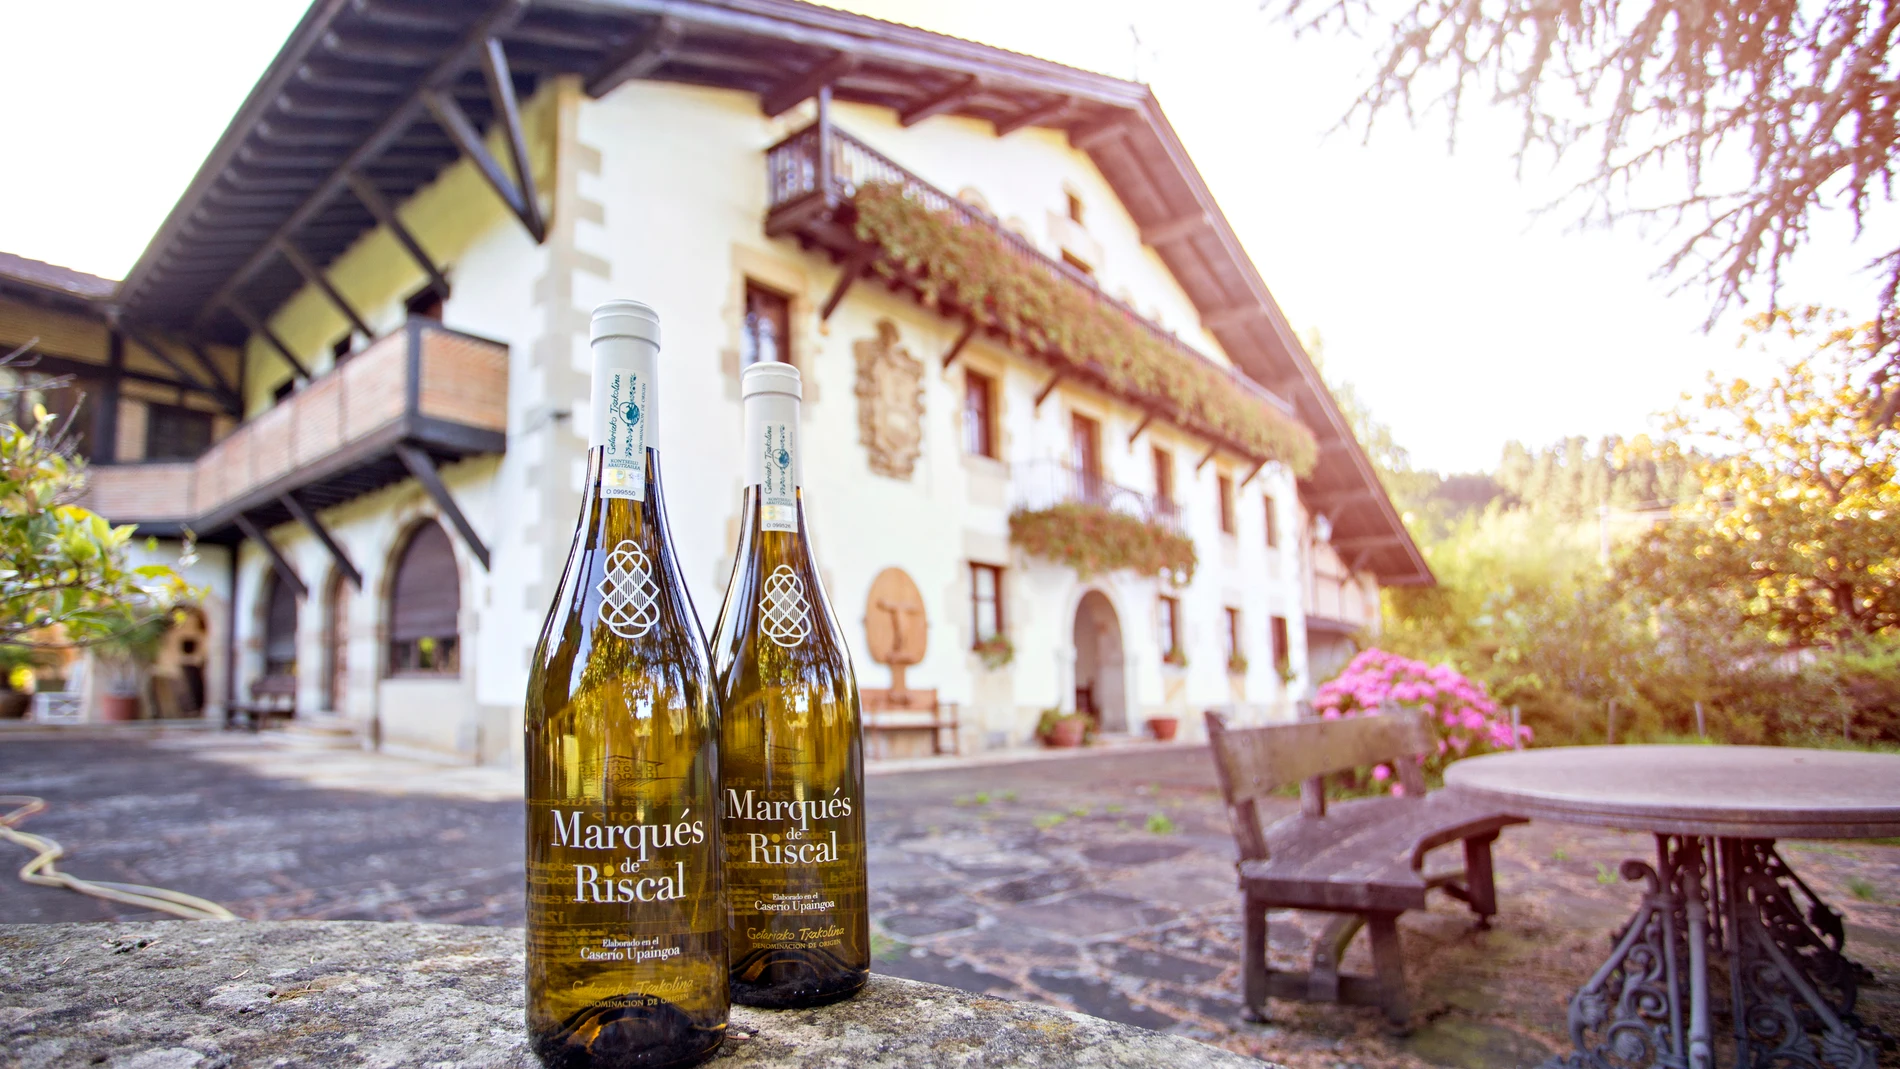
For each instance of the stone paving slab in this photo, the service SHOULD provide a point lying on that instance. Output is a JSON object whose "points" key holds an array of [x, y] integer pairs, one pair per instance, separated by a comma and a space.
{"points": [[1101, 883]]}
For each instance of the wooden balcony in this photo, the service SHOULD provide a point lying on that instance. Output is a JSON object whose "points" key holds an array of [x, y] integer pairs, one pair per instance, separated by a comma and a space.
{"points": [[423, 391], [812, 176]]}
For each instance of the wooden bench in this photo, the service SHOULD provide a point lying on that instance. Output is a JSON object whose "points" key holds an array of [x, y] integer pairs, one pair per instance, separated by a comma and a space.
{"points": [[892, 712], [271, 696], [1363, 860]]}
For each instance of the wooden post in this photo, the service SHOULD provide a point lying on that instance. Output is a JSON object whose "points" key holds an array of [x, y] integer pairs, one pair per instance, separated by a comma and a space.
{"points": [[1517, 731], [1609, 735], [1701, 730], [824, 147]]}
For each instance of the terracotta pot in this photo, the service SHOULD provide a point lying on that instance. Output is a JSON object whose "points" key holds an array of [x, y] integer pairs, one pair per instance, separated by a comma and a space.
{"points": [[1164, 727], [118, 707], [14, 704], [1066, 733]]}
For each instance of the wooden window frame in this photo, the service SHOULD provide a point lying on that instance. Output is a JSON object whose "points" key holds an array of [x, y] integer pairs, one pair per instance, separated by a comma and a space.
{"points": [[403, 654], [1164, 481], [1168, 608], [1235, 644], [1273, 522], [1279, 636], [979, 428], [994, 605], [1224, 501], [748, 340]]}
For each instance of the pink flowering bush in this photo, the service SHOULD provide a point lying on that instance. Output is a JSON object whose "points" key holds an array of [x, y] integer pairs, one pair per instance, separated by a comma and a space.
{"points": [[1463, 715]]}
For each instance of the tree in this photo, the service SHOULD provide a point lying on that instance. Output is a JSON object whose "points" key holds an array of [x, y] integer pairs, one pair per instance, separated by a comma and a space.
{"points": [[65, 579], [1755, 116], [1797, 529]]}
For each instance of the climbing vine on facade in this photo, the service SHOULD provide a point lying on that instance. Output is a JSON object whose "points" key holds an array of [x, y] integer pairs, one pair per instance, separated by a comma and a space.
{"points": [[1095, 541], [953, 264]]}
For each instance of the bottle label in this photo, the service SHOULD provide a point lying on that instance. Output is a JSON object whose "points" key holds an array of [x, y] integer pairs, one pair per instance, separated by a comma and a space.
{"points": [[776, 846], [620, 428], [778, 483], [618, 887]]}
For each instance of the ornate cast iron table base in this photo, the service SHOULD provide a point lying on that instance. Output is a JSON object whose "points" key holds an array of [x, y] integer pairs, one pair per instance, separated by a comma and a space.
{"points": [[1791, 990]]}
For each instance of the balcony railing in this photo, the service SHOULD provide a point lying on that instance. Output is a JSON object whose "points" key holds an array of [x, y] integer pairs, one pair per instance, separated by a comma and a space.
{"points": [[799, 167], [1047, 483], [438, 389]]}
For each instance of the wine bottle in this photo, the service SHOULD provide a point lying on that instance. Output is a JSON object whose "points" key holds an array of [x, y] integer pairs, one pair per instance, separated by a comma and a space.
{"points": [[791, 757], [626, 907]]}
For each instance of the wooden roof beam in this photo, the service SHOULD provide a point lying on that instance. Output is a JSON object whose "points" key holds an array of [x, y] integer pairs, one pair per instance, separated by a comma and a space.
{"points": [[293, 505], [448, 112], [1367, 542], [1333, 502], [285, 573], [262, 329], [372, 199], [501, 92], [799, 88], [1101, 132], [1180, 228], [393, 127], [314, 275], [1037, 116], [853, 268], [647, 52], [422, 466], [956, 347], [948, 100]]}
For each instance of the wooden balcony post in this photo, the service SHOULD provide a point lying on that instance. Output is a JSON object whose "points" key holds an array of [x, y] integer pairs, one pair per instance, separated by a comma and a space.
{"points": [[824, 147]]}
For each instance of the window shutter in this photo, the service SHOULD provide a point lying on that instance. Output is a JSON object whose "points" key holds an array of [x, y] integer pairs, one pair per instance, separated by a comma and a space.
{"points": [[280, 623], [427, 596]]}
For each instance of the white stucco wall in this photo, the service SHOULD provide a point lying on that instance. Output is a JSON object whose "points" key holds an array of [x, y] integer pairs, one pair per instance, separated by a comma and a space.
{"points": [[659, 194]]}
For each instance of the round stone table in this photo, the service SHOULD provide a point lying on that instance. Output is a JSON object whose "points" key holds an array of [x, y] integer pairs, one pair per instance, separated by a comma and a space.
{"points": [[204, 995], [1718, 888]]}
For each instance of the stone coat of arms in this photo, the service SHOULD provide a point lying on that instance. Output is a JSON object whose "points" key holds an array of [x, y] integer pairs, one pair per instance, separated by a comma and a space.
{"points": [[890, 403]]}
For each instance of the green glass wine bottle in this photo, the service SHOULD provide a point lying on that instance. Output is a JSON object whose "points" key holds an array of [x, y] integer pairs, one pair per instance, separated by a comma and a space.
{"points": [[791, 758], [626, 904]]}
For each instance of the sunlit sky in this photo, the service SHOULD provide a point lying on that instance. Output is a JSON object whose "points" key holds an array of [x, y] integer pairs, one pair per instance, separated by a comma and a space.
{"points": [[1462, 317]]}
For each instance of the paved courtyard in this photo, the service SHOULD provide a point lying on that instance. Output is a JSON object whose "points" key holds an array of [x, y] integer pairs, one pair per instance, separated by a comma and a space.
{"points": [[1102, 882]]}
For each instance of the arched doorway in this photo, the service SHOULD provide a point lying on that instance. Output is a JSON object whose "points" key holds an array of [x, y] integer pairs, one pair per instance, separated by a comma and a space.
{"points": [[1100, 690], [280, 627]]}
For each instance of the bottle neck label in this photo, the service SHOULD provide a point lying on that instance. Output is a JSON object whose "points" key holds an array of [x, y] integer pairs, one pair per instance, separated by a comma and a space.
{"points": [[772, 434], [623, 396]]}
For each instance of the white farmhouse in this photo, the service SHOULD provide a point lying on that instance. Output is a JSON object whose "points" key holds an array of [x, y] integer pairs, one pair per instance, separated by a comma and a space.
{"points": [[353, 362]]}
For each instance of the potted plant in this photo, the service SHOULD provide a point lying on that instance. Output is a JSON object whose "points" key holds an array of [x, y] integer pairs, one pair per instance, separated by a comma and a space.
{"points": [[16, 682], [123, 663], [1175, 658], [1236, 663], [1164, 727], [996, 652], [1286, 673], [1060, 730]]}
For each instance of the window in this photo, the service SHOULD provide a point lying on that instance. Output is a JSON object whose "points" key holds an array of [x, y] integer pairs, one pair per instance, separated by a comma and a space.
{"points": [[174, 433], [1273, 525], [1075, 208], [1234, 647], [1282, 651], [1168, 613], [283, 391], [979, 414], [424, 604], [768, 326], [1078, 263], [1164, 482], [1085, 454], [280, 627], [986, 602], [1224, 486]]}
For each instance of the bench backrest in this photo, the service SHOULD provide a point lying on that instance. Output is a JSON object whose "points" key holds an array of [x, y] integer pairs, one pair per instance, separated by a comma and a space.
{"points": [[1252, 763], [274, 687]]}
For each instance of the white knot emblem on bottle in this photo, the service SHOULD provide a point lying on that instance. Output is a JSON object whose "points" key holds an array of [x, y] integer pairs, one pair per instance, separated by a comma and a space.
{"points": [[785, 615], [628, 603]]}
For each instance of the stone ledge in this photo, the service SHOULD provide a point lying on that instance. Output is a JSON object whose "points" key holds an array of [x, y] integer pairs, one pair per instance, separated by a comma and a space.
{"points": [[184, 995]]}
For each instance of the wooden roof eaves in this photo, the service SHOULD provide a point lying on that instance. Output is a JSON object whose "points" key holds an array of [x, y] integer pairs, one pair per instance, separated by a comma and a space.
{"points": [[1307, 376], [281, 71]]}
